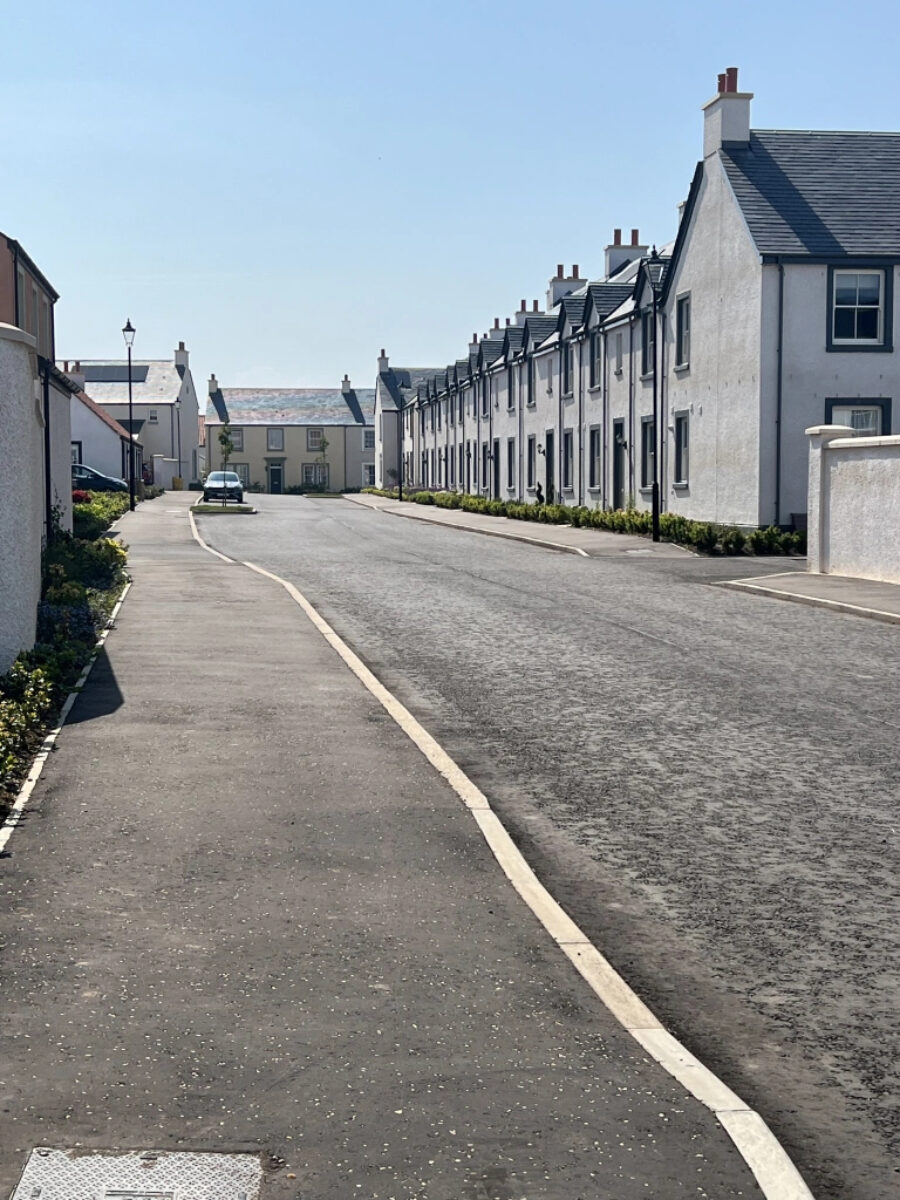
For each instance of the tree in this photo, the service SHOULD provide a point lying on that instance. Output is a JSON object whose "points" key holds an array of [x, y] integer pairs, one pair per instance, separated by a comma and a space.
{"points": [[227, 445], [323, 459]]}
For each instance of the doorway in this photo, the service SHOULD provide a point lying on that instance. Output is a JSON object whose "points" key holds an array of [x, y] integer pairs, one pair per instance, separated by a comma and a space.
{"points": [[495, 470], [619, 448], [276, 479], [550, 460]]}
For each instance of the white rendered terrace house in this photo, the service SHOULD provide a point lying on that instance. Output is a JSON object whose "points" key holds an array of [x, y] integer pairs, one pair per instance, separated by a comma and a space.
{"points": [[776, 311]]}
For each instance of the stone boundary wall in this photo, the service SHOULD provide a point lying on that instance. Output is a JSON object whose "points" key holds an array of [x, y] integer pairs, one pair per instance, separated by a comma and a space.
{"points": [[854, 504], [21, 493]]}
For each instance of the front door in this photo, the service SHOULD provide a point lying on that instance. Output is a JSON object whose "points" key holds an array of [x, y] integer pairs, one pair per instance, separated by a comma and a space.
{"points": [[495, 470], [619, 448], [550, 458], [276, 478]]}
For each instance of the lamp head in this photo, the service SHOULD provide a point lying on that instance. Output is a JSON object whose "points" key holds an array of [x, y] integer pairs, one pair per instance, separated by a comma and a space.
{"points": [[128, 332]]}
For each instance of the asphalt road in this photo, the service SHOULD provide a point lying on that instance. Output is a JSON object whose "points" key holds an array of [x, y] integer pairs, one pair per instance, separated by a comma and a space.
{"points": [[706, 780]]}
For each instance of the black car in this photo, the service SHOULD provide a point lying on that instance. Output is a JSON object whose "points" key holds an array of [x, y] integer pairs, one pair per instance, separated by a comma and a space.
{"points": [[223, 485], [90, 480]]}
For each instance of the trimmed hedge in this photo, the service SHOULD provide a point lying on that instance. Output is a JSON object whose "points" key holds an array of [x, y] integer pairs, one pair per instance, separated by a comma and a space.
{"points": [[703, 536]]}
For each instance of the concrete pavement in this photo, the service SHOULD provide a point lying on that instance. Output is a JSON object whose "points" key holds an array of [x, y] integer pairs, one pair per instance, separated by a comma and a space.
{"points": [[859, 597], [243, 913]]}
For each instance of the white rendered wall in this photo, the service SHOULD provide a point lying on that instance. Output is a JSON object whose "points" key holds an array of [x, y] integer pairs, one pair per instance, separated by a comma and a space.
{"points": [[720, 390], [21, 493], [854, 505], [101, 447], [61, 455], [812, 375]]}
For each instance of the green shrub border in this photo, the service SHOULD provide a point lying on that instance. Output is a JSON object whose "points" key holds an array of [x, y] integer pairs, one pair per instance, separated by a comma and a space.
{"points": [[702, 536]]}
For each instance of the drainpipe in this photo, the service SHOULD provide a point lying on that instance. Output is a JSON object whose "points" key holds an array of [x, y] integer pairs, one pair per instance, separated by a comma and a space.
{"points": [[778, 394], [560, 437], [631, 408], [521, 423], [604, 410]]}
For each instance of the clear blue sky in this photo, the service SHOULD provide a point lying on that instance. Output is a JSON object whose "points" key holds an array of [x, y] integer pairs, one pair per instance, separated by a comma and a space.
{"points": [[287, 187]]}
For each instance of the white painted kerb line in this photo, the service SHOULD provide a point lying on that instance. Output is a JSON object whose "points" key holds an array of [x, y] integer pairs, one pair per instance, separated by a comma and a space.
{"points": [[776, 1175], [24, 795]]}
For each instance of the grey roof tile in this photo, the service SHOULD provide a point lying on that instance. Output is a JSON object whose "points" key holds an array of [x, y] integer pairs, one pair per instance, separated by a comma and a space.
{"points": [[819, 193], [291, 406]]}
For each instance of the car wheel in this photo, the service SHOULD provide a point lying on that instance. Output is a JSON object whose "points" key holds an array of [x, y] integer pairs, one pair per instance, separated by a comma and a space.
{"points": [[240, 497], [205, 498]]}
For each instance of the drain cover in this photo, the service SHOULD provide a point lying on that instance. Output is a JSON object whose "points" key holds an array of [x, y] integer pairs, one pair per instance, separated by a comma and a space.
{"points": [[79, 1175]]}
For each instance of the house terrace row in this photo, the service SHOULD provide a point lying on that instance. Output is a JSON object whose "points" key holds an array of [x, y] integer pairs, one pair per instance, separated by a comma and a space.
{"points": [[772, 310]]}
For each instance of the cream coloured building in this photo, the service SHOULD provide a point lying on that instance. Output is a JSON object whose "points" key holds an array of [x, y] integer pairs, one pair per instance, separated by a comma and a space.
{"points": [[287, 439]]}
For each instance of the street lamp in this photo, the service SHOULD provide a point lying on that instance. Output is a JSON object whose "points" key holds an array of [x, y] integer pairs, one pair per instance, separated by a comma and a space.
{"points": [[128, 333], [654, 260]]}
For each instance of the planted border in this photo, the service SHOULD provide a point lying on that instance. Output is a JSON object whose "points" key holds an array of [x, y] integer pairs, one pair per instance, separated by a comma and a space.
{"points": [[703, 536]]}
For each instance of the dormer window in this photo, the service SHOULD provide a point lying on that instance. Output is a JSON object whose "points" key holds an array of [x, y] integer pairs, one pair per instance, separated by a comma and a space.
{"points": [[858, 308]]}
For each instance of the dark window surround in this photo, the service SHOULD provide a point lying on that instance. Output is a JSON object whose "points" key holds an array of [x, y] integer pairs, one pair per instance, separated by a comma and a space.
{"points": [[678, 455], [887, 345], [595, 456], [882, 402], [648, 450], [682, 304], [648, 344]]}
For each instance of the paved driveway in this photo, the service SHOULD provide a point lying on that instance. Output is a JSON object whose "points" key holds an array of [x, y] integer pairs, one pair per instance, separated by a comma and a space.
{"points": [[707, 780]]}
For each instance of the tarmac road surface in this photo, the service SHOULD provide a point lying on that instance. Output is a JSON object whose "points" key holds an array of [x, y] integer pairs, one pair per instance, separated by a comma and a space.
{"points": [[706, 780]]}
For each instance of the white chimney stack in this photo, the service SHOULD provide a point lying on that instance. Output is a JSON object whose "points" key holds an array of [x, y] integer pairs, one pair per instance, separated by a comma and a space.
{"points": [[181, 356], [562, 285], [383, 363], [616, 254], [345, 384], [726, 118], [213, 385]]}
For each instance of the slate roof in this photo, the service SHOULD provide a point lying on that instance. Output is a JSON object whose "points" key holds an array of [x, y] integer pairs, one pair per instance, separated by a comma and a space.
{"points": [[401, 385], [818, 193], [540, 327], [155, 381], [574, 308], [291, 406], [606, 297]]}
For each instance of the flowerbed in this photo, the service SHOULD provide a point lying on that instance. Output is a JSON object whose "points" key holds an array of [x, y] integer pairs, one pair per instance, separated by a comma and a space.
{"points": [[703, 536], [82, 579]]}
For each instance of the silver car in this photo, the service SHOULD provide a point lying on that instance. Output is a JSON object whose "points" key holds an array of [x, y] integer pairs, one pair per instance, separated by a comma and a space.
{"points": [[223, 485]]}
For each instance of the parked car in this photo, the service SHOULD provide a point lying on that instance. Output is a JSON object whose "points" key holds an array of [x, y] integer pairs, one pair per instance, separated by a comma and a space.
{"points": [[223, 485], [90, 480]]}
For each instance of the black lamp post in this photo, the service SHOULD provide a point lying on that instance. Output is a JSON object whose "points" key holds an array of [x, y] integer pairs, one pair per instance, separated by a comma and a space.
{"points": [[654, 259], [128, 334]]}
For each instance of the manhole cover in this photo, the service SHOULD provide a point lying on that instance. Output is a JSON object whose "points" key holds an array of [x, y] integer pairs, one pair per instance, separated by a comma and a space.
{"points": [[77, 1175]]}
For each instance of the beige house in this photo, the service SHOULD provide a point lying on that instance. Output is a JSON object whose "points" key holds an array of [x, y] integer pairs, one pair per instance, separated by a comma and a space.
{"points": [[292, 439]]}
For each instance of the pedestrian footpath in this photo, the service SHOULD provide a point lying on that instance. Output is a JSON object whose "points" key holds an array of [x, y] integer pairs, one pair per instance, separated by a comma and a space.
{"points": [[870, 598], [244, 913]]}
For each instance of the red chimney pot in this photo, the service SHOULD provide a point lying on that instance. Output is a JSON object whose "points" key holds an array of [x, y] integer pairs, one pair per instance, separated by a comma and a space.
{"points": [[535, 306], [524, 306], [560, 273], [635, 237], [575, 270], [722, 82], [617, 237], [731, 75]]}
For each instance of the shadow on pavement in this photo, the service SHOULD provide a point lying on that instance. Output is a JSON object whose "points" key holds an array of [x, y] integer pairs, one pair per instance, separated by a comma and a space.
{"points": [[101, 695]]}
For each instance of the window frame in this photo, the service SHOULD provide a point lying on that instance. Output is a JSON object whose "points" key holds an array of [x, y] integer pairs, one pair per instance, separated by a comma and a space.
{"points": [[855, 346], [531, 462], [242, 470], [595, 457], [596, 358], [882, 402], [648, 363], [681, 457], [510, 462], [237, 437], [619, 350], [682, 331], [152, 416], [275, 443], [368, 438], [568, 460], [648, 452], [316, 474]]}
